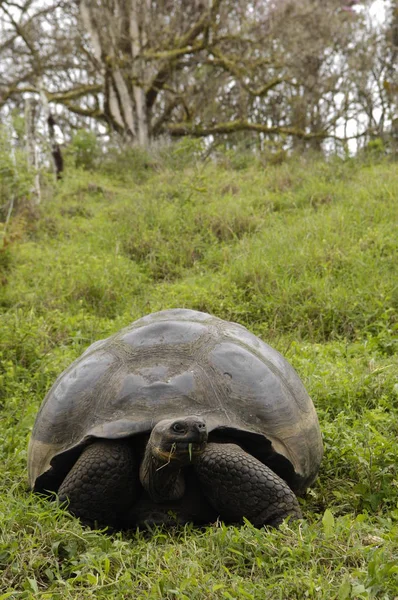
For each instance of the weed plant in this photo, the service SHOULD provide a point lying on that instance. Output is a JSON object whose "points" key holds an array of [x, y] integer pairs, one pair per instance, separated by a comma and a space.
{"points": [[305, 254]]}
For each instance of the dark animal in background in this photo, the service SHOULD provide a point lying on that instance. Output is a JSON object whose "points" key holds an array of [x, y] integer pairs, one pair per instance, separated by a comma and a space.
{"points": [[55, 149]]}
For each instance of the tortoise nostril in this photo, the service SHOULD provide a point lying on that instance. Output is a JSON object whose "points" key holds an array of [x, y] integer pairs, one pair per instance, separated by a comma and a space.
{"points": [[200, 427]]}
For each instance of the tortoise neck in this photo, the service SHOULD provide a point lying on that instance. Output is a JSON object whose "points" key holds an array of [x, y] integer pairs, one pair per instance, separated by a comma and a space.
{"points": [[161, 475]]}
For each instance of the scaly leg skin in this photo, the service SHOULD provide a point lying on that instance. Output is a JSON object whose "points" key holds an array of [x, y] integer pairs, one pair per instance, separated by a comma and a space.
{"points": [[102, 485], [238, 485]]}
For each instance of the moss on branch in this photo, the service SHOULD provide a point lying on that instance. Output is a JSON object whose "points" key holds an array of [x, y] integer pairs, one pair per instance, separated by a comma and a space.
{"points": [[181, 129]]}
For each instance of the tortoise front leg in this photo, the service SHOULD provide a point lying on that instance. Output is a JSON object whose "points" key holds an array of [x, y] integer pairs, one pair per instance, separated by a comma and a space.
{"points": [[238, 485], [102, 485]]}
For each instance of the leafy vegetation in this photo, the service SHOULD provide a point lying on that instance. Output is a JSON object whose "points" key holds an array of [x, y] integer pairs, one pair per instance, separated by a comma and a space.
{"points": [[305, 254]]}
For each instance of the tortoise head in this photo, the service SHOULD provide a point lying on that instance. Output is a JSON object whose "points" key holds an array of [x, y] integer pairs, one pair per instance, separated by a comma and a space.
{"points": [[178, 439], [172, 445]]}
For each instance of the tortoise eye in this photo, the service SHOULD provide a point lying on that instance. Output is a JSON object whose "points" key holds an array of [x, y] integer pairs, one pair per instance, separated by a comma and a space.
{"points": [[178, 428]]}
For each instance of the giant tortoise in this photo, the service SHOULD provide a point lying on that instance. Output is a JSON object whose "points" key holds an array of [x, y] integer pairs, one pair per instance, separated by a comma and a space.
{"points": [[179, 417]]}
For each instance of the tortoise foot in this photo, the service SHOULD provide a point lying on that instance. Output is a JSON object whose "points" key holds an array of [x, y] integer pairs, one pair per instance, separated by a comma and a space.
{"points": [[102, 485], [238, 485]]}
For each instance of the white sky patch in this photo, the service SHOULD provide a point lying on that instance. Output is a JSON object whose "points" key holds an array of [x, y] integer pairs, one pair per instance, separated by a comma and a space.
{"points": [[377, 10]]}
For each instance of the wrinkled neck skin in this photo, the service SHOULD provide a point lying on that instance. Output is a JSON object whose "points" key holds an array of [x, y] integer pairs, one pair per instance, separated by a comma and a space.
{"points": [[161, 476]]}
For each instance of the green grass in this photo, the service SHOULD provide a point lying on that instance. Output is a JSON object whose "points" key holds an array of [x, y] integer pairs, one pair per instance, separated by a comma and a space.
{"points": [[305, 254]]}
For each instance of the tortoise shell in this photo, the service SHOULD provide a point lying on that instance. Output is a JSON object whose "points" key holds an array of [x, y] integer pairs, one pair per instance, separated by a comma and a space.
{"points": [[177, 363]]}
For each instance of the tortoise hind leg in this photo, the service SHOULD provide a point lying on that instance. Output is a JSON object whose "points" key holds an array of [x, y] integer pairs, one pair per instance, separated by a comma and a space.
{"points": [[238, 485], [102, 485]]}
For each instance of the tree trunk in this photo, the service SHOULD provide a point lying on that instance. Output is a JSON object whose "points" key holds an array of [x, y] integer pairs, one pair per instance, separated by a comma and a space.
{"points": [[31, 148], [138, 66], [124, 103]]}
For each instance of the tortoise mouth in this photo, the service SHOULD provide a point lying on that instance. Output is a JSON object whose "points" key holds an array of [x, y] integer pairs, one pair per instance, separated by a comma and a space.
{"points": [[178, 450]]}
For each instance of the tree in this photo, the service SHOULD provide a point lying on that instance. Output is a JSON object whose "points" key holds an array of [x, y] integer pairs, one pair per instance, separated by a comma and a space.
{"points": [[42, 50], [143, 68]]}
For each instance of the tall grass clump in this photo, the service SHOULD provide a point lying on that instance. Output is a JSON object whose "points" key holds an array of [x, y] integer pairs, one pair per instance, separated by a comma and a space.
{"points": [[304, 252]]}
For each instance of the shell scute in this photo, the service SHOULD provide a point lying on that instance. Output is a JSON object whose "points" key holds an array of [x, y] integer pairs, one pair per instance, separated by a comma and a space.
{"points": [[163, 333]]}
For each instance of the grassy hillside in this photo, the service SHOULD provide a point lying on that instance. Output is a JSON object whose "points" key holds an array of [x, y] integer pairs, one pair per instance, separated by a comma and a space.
{"points": [[305, 254]]}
